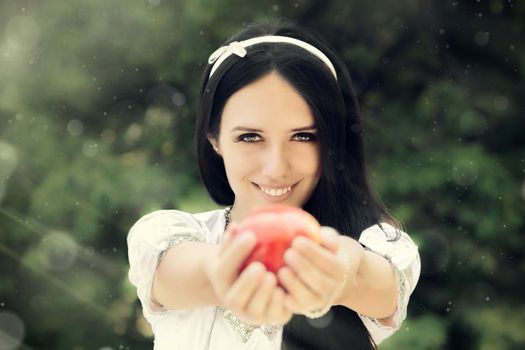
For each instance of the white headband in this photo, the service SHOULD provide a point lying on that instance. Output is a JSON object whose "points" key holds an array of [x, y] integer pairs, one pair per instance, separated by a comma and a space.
{"points": [[239, 48]]}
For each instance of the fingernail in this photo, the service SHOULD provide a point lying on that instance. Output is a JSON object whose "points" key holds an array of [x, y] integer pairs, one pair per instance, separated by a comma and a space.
{"points": [[289, 256], [299, 242], [257, 266]]}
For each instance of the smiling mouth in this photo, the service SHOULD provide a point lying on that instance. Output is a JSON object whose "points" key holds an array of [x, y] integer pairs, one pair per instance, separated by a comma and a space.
{"points": [[276, 193]]}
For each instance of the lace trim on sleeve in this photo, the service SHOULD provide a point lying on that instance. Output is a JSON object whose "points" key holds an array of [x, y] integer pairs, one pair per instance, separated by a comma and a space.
{"points": [[401, 312], [245, 330], [172, 242], [402, 253]]}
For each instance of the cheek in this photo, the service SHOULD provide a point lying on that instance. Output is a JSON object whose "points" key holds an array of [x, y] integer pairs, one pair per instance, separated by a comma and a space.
{"points": [[308, 167], [310, 160], [236, 165]]}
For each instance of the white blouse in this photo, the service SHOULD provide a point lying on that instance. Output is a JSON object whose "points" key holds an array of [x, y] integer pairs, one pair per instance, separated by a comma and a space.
{"points": [[215, 328]]}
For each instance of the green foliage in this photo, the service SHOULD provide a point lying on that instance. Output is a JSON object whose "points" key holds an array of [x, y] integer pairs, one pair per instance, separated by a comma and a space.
{"points": [[410, 335], [97, 110]]}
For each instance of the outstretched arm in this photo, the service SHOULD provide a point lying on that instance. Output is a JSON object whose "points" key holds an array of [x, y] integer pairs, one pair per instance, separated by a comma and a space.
{"points": [[372, 286], [196, 274], [342, 272]]}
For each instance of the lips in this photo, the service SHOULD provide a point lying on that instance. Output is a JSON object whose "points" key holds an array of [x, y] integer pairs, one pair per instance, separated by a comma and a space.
{"points": [[276, 194]]}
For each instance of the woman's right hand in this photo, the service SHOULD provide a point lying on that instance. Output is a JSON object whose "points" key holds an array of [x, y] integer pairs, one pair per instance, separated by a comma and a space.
{"points": [[253, 294]]}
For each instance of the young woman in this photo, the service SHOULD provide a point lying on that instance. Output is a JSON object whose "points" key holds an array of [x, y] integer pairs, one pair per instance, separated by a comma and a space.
{"points": [[278, 123]]}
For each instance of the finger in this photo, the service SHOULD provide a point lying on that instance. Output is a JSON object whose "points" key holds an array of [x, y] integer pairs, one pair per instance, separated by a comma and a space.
{"points": [[320, 257], [276, 307], [330, 238], [244, 287], [236, 253], [296, 291], [312, 277], [262, 296], [291, 304], [227, 237]]}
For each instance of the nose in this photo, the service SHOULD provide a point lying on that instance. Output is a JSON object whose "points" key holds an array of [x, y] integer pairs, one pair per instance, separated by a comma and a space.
{"points": [[276, 162]]}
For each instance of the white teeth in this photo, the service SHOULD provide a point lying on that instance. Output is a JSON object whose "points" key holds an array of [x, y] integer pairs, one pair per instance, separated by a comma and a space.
{"points": [[276, 193]]}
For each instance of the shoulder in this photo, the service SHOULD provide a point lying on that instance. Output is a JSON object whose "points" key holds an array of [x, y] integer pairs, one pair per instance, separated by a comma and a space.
{"points": [[158, 230], [392, 243], [382, 230], [173, 217], [160, 225]]}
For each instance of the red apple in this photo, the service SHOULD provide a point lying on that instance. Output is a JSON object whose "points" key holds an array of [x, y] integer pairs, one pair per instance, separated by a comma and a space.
{"points": [[275, 227]]}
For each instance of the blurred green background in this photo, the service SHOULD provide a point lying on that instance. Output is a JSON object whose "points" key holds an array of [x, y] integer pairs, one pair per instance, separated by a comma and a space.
{"points": [[97, 110]]}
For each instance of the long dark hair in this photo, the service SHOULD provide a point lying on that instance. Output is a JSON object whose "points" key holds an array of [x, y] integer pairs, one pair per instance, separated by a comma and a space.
{"points": [[343, 198]]}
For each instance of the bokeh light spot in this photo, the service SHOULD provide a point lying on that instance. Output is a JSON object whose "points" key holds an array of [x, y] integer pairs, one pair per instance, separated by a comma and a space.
{"points": [[8, 160], [134, 132], [108, 136], [90, 148], [12, 330], [58, 251], [75, 127], [481, 38], [501, 103], [178, 99]]}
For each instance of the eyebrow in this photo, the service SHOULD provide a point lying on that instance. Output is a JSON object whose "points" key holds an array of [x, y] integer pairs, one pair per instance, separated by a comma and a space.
{"points": [[243, 128]]}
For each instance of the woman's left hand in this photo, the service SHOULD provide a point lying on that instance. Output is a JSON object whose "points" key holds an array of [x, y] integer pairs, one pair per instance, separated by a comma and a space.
{"points": [[315, 274]]}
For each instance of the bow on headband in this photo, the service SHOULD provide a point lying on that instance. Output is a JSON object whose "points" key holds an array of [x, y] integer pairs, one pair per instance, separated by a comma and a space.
{"points": [[233, 48]]}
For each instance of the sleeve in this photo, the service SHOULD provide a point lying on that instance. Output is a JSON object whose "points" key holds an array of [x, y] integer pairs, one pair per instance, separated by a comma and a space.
{"points": [[399, 249], [148, 239]]}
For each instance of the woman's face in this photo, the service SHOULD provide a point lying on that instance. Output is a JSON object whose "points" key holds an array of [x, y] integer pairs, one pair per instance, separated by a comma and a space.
{"points": [[268, 143]]}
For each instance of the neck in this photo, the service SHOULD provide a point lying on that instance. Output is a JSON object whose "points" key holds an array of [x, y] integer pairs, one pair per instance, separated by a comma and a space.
{"points": [[237, 214]]}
